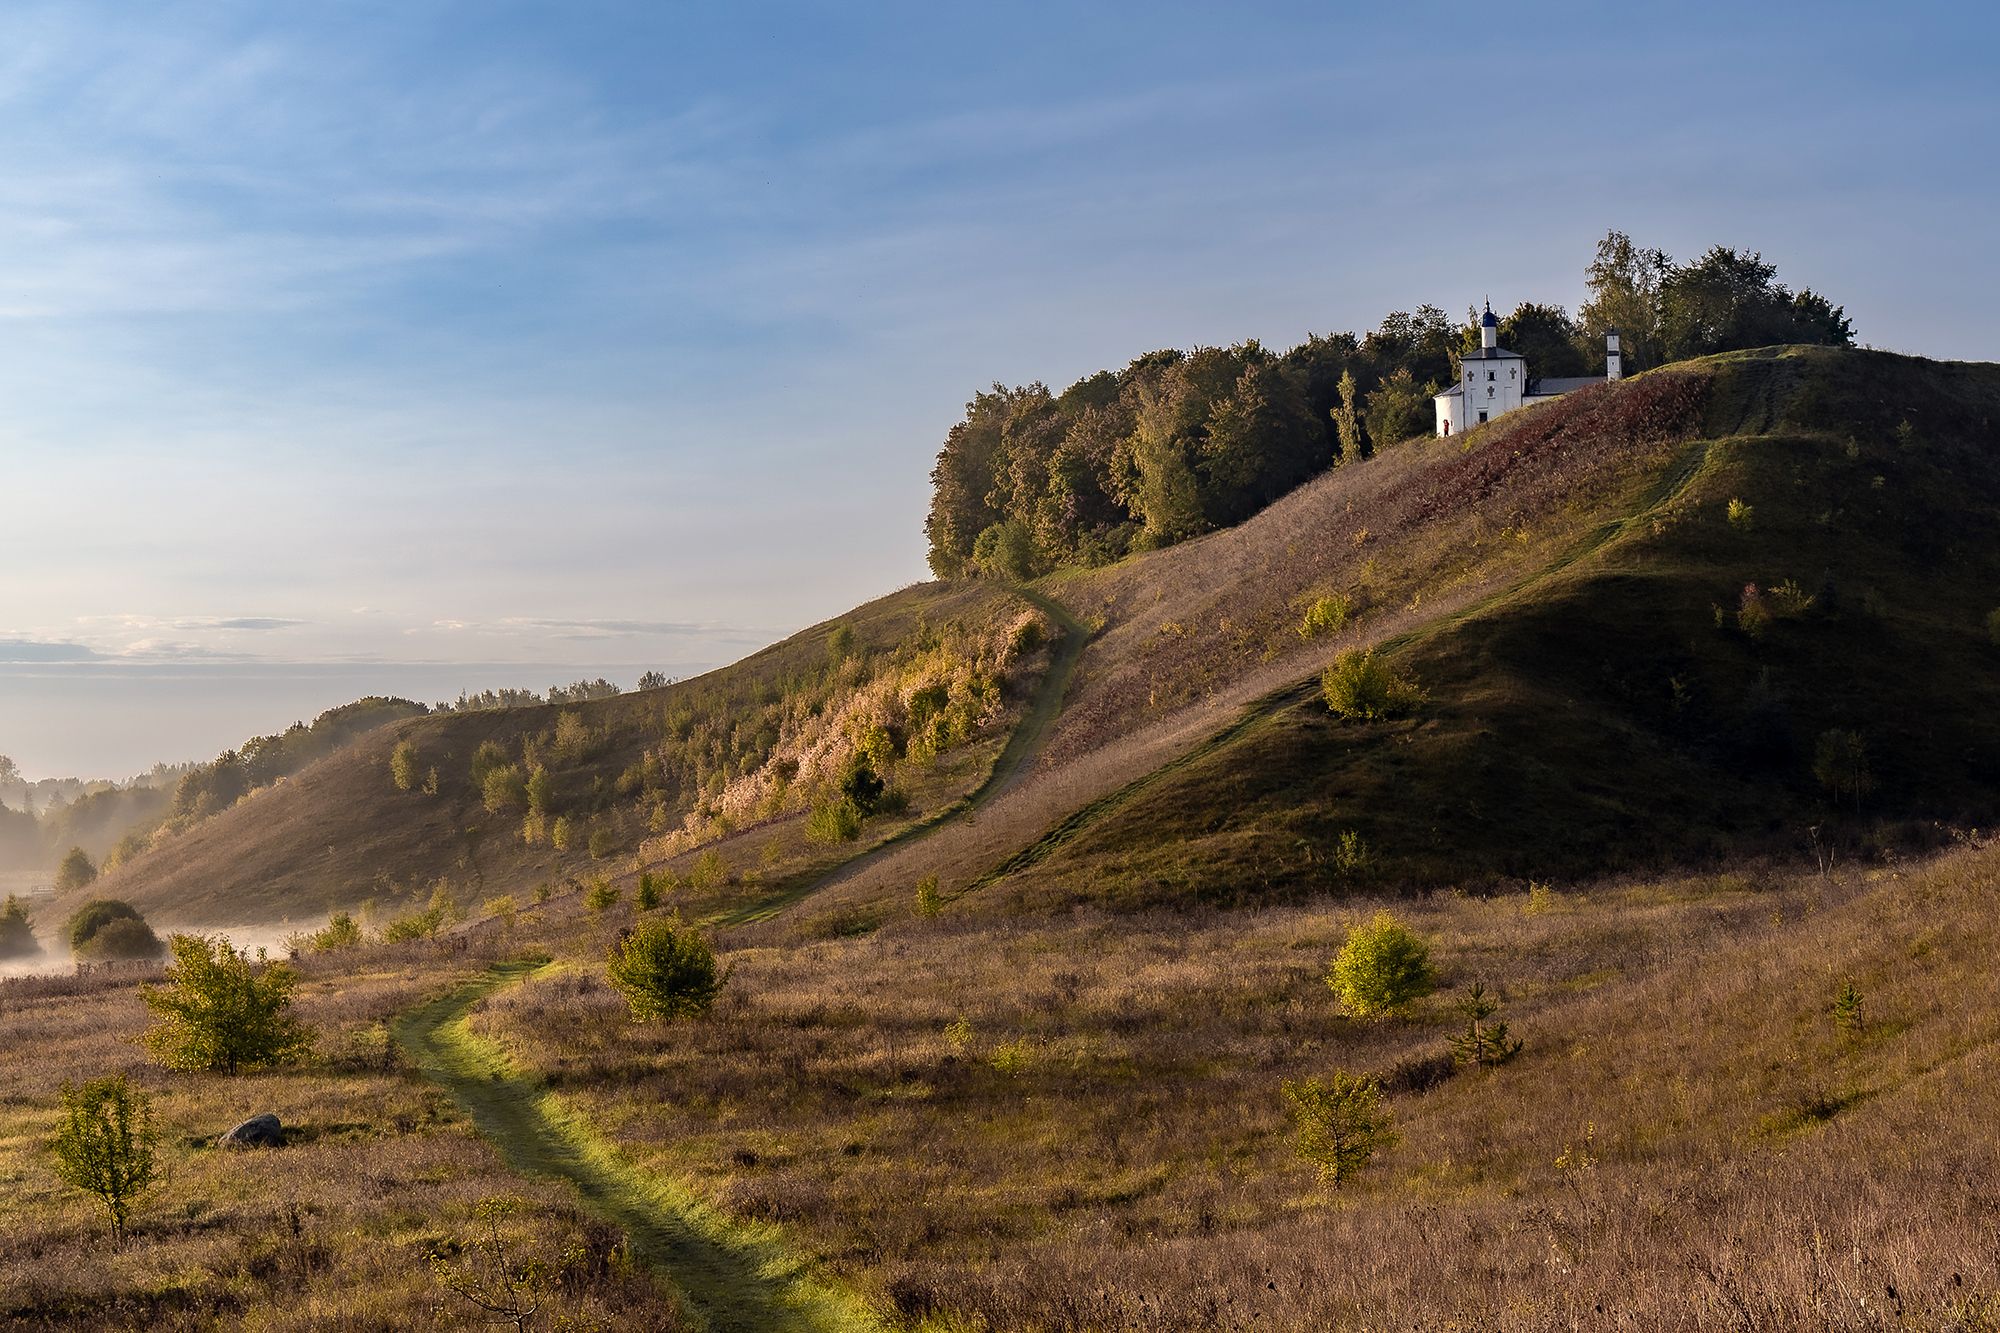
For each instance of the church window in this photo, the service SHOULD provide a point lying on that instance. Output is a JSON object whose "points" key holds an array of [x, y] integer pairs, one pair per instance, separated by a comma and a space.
{"points": [[1489, 374]]}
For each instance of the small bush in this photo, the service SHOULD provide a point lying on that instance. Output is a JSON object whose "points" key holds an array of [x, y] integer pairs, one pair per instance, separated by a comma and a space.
{"points": [[1360, 686], [602, 843], [1013, 1058], [105, 1144], [562, 833], [1327, 615], [834, 821], [958, 1035], [341, 931], [1993, 626], [17, 934], [709, 871], [94, 931], [403, 765], [218, 1012], [929, 901], [1741, 515], [1351, 855], [602, 896], [502, 909], [76, 871], [504, 789], [1541, 899], [1381, 968], [1753, 615], [665, 971], [647, 896], [1341, 1122], [1848, 1010]]}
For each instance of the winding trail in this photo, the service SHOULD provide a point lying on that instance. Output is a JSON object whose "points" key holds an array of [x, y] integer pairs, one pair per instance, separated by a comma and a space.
{"points": [[731, 1276]]}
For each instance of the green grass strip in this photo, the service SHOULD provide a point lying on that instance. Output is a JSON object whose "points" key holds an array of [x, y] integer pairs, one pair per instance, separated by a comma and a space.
{"points": [[731, 1276]]}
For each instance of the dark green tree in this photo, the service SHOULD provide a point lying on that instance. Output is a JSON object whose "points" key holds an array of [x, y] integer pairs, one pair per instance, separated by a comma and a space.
{"points": [[1624, 281], [664, 970], [17, 934], [76, 871]]}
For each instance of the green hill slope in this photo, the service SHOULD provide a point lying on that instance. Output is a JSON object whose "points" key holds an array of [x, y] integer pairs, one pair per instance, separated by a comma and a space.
{"points": [[1676, 684]]}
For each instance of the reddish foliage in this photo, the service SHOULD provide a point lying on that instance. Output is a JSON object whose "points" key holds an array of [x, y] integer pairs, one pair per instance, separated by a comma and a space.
{"points": [[1539, 455]]}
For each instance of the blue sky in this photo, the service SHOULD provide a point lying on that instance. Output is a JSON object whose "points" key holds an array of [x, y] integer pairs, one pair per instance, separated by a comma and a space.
{"points": [[397, 347]]}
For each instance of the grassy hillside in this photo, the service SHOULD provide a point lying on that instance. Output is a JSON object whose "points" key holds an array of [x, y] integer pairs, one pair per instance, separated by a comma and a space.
{"points": [[1655, 687], [927, 681]]}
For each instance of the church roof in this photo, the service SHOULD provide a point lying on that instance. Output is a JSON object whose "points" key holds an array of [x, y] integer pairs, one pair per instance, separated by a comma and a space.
{"points": [[1491, 354], [1551, 385], [1455, 391]]}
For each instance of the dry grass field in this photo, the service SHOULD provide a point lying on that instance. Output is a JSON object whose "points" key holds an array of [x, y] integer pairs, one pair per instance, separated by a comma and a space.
{"points": [[1687, 1139], [331, 1231]]}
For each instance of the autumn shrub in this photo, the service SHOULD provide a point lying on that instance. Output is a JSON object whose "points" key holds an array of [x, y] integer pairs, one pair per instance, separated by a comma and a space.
{"points": [[929, 901], [219, 1012], [341, 931], [834, 821], [601, 897], [602, 843], [709, 871], [1326, 615], [664, 970], [403, 765], [1382, 967], [1360, 686]]}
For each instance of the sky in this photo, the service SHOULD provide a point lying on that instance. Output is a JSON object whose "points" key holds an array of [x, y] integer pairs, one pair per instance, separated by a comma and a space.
{"points": [[355, 348]]}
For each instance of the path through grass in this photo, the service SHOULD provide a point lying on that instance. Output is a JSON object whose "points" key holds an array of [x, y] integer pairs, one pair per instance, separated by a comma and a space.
{"points": [[732, 1277]]}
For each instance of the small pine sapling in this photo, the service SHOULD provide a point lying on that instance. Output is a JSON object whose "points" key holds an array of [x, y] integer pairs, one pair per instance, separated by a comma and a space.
{"points": [[1849, 1014], [1484, 1043], [929, 901]]}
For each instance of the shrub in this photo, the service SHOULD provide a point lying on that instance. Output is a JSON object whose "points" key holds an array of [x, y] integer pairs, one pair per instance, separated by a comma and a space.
{"points": [[602, 896], [1741, 515], [562, 833], [1840, 762], [105, 1144], [648, 894], [710, 871], [834, 821], [403, 765], [91, 932], [1013, 1058], [1327, 615], [540, 791], [502, 909], [75, 872], [1753, 616], [1848, 1010], [1351, 855], [17, 935], [958, 1035], [431, 781], [218, 1012], [1993, 625], [489, 756], [1028, 636], [1341, 1124], [1359, 685], [126, 938], [929, 901], [341, 931], [1381, 968], [602, 843], [504, 789], [1482, 1044], [664, 970]]}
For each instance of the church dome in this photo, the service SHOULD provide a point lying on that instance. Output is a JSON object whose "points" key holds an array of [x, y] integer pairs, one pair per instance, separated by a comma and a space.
{"points": [[1486, 320]]}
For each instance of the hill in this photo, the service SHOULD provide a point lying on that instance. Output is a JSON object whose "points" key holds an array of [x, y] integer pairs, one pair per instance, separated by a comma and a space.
{"points": [[1616, 672], [923, 684]]}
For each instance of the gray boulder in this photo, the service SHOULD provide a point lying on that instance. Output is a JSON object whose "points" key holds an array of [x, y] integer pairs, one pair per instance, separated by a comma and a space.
{"points": [[259, 1131]]}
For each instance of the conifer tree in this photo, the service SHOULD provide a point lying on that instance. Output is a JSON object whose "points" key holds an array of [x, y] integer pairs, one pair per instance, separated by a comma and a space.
{"points": [[1483, 1044]]}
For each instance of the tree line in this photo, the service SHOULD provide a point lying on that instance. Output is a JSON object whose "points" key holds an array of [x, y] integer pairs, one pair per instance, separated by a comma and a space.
{"points": [[1180, 443]]}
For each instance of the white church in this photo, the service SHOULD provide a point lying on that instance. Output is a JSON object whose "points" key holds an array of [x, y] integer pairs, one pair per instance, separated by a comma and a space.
{"points": [[1494, 381]]}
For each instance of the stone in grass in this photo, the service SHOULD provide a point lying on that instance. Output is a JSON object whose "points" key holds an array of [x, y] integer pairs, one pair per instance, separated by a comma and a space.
{"points": [[259, 1131]]}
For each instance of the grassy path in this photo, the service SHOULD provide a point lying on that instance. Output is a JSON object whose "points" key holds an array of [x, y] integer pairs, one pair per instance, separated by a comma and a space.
{"points": [[1012, 763], [732, 1277]]}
